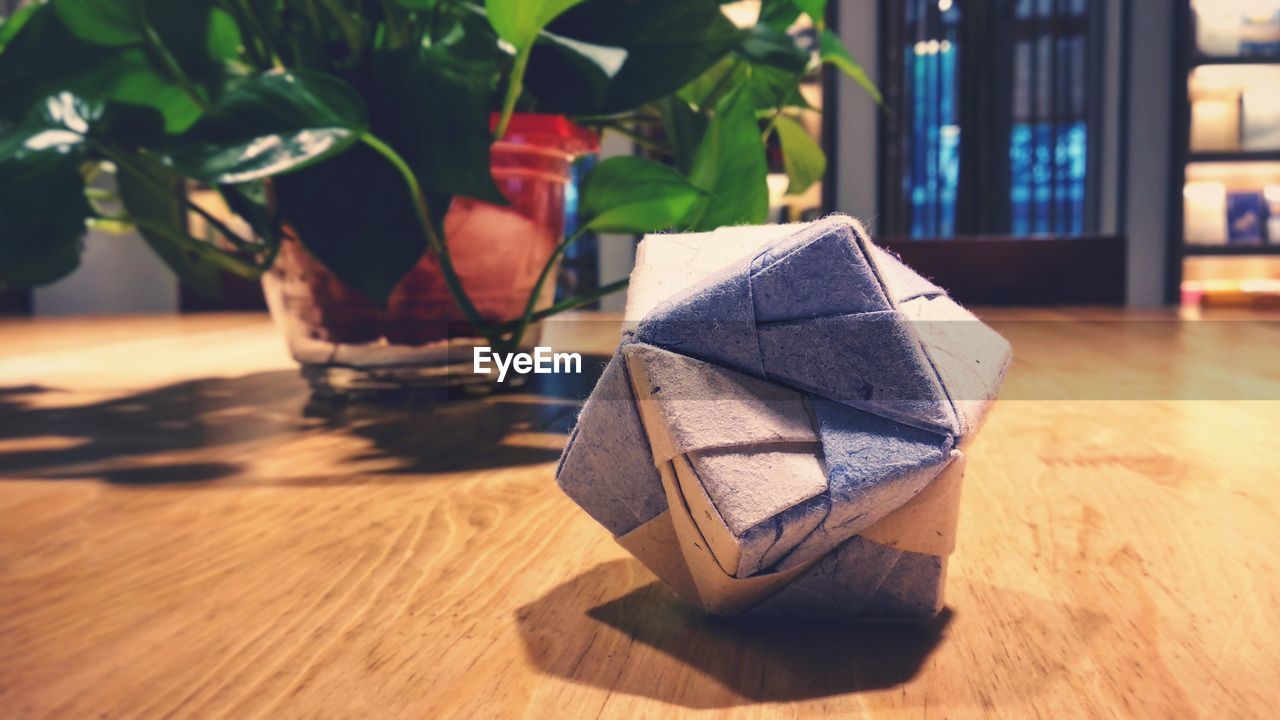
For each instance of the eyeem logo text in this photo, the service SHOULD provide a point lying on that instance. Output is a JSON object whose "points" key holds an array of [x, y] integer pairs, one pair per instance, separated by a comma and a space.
{"points": [[543, 361]]}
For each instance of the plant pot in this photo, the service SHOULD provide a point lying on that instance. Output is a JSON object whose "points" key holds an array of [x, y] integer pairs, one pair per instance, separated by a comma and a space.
{"points": [[348, 345]]}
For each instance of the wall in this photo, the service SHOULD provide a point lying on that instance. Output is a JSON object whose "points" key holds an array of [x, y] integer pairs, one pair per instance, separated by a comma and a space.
{"points": [[1151, 69], [617, 253], [854, 166], [118, 274]]}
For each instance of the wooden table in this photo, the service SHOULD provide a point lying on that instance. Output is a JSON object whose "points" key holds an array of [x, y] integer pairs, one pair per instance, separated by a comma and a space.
{"points": [[184, 532]]}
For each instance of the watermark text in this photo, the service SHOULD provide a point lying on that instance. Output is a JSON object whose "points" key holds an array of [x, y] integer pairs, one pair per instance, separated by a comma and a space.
{"points": [[541, 361]]}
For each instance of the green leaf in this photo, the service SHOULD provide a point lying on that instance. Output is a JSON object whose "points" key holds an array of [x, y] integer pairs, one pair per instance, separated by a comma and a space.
{"points": [[567, 76], [42, 217], [815, 9], [41, 58], [67, 126], [802, 157], [781, 14], [765, 45], [446, 143], [129, 77], [683, 129], [197, 35], [470, 37], [773, 88], [222, 40], [44, 58], [152, 197], [611, 56], [63, 124], [833, 51], [103, 22], [354, 213], [635, 195], [519, 21], [62, 133], [727, 74], [730, 167], [252, 202], [43, 209], [778, 13], [10, 26], [272, 123], [775, 66]]}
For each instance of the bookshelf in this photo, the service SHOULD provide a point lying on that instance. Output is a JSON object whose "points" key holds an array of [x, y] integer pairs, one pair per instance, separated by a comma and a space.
{"points": [[1225, 188]]}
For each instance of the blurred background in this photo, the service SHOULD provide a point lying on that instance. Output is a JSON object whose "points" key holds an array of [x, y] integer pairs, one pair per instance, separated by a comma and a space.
{"points": [[1029, 152], [191, 527]]}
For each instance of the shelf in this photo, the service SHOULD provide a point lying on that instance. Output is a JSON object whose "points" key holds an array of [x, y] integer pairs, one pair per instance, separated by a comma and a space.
{"points": [[1234, 60], [1190, 250], [1236, 156]]}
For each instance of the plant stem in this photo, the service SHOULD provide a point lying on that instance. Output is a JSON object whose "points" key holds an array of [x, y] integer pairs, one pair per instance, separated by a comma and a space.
{"points": [[226, 261], [515, 85], [436, 242], [394, 20], [264, 227], [606, 120], [97, 196], [527, 317], [638, 138], [121, 160], [716, 90], [349, 29], [263, 35], [94, 193], [773, 121], [218, 225], [580, 300], [434, 239], [313, 17], [253, 47], [170, 63]]}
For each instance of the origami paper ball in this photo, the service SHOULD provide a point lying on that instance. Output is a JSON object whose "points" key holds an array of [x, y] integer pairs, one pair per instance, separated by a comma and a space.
{"points": [[783, 432]]}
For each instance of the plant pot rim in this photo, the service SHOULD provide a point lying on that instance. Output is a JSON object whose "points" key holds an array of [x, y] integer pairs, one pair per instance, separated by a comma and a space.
{"points": [[556, 132]]}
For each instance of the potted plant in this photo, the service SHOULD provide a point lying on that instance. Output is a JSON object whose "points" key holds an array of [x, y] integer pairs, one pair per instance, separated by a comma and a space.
{"points": [[392, 169]]}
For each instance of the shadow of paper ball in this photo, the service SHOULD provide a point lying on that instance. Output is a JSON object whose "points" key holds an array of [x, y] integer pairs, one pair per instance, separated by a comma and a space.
{"points": [[649, 643]]}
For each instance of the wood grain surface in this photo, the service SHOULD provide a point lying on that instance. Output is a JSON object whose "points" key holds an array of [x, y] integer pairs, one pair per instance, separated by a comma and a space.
{"points": [[184, 532]]}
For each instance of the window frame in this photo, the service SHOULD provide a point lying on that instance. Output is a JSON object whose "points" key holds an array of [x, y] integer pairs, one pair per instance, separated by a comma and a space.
{"points": [[985, 93]]}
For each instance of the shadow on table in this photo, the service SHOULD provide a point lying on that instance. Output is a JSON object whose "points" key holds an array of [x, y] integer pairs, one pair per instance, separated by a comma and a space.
{"points": [[651, 644], [202, 430]]}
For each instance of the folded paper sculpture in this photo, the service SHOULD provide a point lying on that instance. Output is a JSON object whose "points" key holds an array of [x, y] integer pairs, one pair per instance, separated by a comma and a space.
{"points": [[782, 428]]}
